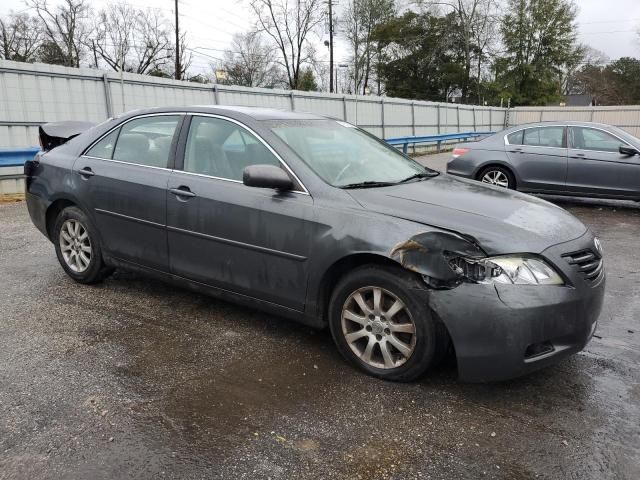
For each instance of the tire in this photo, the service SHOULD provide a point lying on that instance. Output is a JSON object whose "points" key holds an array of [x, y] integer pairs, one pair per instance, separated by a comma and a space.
{"points": [[78, 247], [376, 329], [498, 176]]}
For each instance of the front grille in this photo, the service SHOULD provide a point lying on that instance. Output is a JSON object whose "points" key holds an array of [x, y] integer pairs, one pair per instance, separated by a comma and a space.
{"points": [[588, 262]]}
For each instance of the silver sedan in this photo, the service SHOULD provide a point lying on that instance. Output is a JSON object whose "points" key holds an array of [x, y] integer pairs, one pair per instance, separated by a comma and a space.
{"points": [[561, 158]]}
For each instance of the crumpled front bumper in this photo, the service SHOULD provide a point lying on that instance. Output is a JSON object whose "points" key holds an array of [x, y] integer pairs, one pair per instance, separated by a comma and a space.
{"points": [[492, 326]]}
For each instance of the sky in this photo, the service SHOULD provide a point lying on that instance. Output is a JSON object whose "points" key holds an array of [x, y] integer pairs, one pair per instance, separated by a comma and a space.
{"points": [[607, 25]]}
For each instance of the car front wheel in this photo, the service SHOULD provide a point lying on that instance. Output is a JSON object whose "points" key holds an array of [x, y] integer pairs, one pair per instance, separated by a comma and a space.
{"points": [[380, 326], [78, 248]]}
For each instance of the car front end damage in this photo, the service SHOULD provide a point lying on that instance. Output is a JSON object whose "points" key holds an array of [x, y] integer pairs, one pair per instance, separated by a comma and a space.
{"points": [[508, 315]]}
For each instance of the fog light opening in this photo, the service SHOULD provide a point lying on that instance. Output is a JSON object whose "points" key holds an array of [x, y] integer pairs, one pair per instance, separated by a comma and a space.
{"points": [[538, 349]]}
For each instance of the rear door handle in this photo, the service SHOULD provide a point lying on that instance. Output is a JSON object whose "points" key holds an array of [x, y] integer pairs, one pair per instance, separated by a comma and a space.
{"points": [[578, 155], [182, 191], [86, 172]]}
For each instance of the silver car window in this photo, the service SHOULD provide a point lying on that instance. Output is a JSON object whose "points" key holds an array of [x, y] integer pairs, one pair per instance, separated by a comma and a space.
{"points": [[515, 138], [585, 138], [544, 137]]}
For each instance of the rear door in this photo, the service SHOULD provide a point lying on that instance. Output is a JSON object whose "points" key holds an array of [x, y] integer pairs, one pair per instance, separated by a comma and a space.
{"points": [[597, 167], [123, 181], [539, 156], [252, 241]]}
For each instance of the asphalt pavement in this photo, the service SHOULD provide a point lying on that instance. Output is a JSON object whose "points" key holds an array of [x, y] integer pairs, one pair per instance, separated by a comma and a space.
{"points": [[133, 378]]}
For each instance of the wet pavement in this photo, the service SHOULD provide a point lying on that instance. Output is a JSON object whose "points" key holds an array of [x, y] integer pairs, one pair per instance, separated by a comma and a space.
{"points": [[136, 379]]}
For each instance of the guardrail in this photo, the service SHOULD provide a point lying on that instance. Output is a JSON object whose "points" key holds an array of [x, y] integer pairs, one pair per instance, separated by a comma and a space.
{"points": [[15, 157], [438, 139]]}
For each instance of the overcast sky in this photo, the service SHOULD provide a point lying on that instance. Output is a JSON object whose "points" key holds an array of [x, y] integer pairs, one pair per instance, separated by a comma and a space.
{"points": [[607, 25]]}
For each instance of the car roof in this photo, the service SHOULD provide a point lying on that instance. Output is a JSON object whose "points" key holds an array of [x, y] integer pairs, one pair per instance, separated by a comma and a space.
{"points": [[255, 113], [573, 123]]}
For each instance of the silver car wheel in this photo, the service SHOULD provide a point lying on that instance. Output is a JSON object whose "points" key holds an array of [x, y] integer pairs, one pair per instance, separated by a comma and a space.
{"points": [[75, 245], [378, 327], [496, 177]]}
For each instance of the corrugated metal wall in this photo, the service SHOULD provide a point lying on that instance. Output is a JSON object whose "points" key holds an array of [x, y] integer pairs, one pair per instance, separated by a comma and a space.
{"points": [[625, 117], [32, 94]]}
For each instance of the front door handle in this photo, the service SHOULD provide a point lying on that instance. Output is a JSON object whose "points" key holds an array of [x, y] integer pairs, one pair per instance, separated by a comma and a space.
{"points": [[182, 191], [86, 172], [516, 150]]}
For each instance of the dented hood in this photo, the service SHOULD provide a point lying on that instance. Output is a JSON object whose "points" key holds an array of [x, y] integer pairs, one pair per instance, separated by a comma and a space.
{"points": [[500, 220]]}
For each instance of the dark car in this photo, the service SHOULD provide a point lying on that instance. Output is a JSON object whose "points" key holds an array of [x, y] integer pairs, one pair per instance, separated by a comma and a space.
{"points": [[560, 158], [313, 219]]}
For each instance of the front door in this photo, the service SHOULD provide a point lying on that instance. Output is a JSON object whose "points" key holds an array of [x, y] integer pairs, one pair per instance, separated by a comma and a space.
{"points": [[123, 179], [251, 241], [539, 155], [597, 167]]}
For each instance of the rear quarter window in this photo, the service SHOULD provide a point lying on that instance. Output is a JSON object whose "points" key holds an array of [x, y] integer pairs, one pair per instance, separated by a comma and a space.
{"points": [[515, 138]]}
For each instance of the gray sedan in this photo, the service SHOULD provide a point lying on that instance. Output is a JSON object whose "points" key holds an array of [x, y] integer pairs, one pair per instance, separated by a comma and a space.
{"points": [[561, 158], [316, 220]]}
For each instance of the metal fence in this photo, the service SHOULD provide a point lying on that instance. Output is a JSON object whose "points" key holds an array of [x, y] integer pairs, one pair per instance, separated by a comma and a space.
{"points": [[627, 118], [32, 94]]}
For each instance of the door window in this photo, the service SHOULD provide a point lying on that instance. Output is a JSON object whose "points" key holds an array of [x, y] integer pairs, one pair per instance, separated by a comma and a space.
{"points": [[544, 137], [146, 141], [585, 138], [223, 149]]}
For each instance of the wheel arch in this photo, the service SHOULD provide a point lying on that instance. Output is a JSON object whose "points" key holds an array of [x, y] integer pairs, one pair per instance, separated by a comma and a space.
{"points": [[344, 265], [54, 210], [339, 269]]}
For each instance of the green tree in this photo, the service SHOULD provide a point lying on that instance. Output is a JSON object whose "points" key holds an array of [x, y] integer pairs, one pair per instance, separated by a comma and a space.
{"points": [[307, 81], [539, 38], [421, 56]]}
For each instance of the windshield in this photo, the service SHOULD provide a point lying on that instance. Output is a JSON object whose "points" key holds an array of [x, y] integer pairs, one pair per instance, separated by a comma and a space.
{"points": [[345, 156]]}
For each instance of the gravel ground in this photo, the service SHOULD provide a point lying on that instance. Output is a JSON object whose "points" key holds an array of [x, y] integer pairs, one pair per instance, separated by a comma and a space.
{"points": [[136, 379]]}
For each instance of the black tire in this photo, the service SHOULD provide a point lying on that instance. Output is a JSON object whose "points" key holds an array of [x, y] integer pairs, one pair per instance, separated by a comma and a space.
{"points": [[96, 270], [499, 170], [399, 283]]}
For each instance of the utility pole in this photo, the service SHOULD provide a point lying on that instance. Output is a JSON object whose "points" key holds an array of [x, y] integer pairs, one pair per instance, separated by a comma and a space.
{"points": [[331, 46], [178, 68]]}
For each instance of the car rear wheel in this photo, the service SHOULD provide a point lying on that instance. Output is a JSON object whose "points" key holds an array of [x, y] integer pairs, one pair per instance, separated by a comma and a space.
{"points": [[380, 326], [77, 247], [498, 176]]}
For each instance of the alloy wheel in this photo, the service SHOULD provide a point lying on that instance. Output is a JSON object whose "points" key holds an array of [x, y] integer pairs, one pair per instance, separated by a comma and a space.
{"points": [[378, 327], [496, 177], [75, 245]]}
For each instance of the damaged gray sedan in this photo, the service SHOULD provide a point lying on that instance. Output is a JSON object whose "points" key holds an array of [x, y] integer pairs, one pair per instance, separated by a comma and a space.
{"points": [[313, 219]]}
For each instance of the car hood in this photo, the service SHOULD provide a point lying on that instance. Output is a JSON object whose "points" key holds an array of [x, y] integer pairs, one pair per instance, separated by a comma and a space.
{"points": [[501, 221]]}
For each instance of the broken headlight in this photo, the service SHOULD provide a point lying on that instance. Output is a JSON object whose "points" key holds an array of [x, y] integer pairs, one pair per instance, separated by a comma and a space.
{"points": [[508, 269]]}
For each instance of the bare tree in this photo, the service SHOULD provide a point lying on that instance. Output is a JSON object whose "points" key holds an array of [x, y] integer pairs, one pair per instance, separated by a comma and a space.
{"points": [[250, 62], [66, 28], [361, 18], [20, 37], [288, 24], [132, 40]]}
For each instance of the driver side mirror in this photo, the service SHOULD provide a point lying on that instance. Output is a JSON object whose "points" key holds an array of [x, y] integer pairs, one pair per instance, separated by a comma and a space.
{"points": [[266, 176], [627, 150]]}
